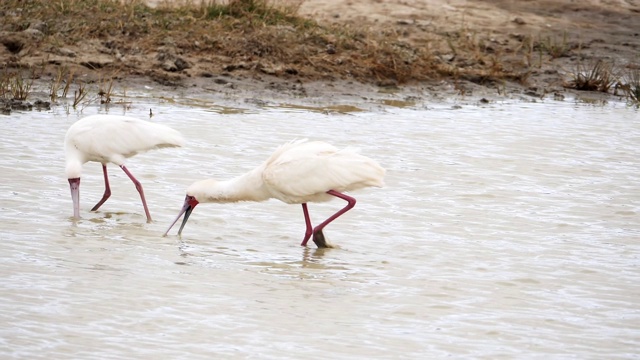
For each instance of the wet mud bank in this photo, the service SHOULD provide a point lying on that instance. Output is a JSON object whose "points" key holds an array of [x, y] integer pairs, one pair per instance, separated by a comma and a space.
{"points": [[475, 51]]}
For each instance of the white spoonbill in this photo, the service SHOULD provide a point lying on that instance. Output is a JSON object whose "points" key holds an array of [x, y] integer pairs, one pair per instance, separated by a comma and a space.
{"points": [[296, 173], [111, 138]]}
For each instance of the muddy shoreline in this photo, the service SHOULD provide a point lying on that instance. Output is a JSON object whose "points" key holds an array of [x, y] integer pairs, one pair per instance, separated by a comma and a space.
{"points": [[593, 30]]}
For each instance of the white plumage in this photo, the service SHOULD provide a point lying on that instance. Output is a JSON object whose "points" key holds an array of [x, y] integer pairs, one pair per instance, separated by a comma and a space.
{"points": [[112, 138], [296, 173]]}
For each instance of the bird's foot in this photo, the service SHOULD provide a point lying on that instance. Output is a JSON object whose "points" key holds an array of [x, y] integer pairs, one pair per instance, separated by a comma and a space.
{"points": [[320, 241]]}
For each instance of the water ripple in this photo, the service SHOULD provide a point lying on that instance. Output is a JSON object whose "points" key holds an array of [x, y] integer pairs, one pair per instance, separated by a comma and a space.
{"points": [[504, 231]]}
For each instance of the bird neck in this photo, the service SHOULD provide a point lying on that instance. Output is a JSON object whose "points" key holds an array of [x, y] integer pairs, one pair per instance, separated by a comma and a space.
{"points": [[247, 187]]}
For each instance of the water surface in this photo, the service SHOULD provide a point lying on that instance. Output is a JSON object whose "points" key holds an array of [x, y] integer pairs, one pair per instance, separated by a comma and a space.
{"points": [[505, 231]]}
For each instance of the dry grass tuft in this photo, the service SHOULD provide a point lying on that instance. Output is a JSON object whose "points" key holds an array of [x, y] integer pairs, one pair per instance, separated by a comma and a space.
{"points": [[13, 85], [79, 94], [597, 76], [631, 84], [556, 48]]}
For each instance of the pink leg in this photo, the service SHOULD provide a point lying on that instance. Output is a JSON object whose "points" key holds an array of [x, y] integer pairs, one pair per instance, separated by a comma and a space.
{"points": [[351, 202], [107, 189], [139, 188], [307, 220]]}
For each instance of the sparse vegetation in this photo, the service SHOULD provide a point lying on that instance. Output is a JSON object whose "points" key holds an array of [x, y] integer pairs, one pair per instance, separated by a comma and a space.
{"points": [[20, 87], [56, 82], [105, 89], [79, 94], [4, 85], [255, 35], [555, 47], [631, 85], [598, 76], [67, 83], [13, 85], [252, 38]]}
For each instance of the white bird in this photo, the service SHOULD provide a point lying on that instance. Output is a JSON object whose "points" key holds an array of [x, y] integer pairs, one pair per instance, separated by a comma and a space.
{"points": [[111, 138], [296, 173]]}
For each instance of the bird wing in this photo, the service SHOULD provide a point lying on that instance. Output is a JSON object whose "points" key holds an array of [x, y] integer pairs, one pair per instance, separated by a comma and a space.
{"points": [[278, 154], [312, 168], [114, 138]]}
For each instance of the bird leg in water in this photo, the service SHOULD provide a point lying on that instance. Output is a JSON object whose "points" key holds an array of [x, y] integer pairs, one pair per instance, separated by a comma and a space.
{"points": [[318, 237], [107, 189], [319, 240], [307, 221], [139, 188]]}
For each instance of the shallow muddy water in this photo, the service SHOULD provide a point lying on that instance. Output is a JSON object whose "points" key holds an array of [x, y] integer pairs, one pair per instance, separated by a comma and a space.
{"points": [[505, 231]]}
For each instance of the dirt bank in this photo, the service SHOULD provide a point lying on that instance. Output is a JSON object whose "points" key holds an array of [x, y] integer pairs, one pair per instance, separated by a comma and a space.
{"points": [[488, 49]]}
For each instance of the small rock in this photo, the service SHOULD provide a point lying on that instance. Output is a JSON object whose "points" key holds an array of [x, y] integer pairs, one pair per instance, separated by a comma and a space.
{"points": [[237, 66], [96, 62], [168, 41], [387, 83], [34, 33], [331, 49], [42, 105], [66, 52], [519, 21], [20, 105], [255, 101], [269, 69], [170, 66], [181, 64], [40, 26], [517, 36]]}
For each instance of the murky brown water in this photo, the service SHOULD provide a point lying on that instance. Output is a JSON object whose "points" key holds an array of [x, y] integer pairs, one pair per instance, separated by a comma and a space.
{"points": [[505, 231]]}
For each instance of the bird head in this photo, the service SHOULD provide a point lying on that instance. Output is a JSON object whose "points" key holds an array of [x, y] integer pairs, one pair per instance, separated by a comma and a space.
{"points": [[190, 203], [73, 168]]}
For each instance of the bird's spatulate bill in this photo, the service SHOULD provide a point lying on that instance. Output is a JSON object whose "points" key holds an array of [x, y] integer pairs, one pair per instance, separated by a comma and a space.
{"points": [[74, 184], [190, 203]]}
